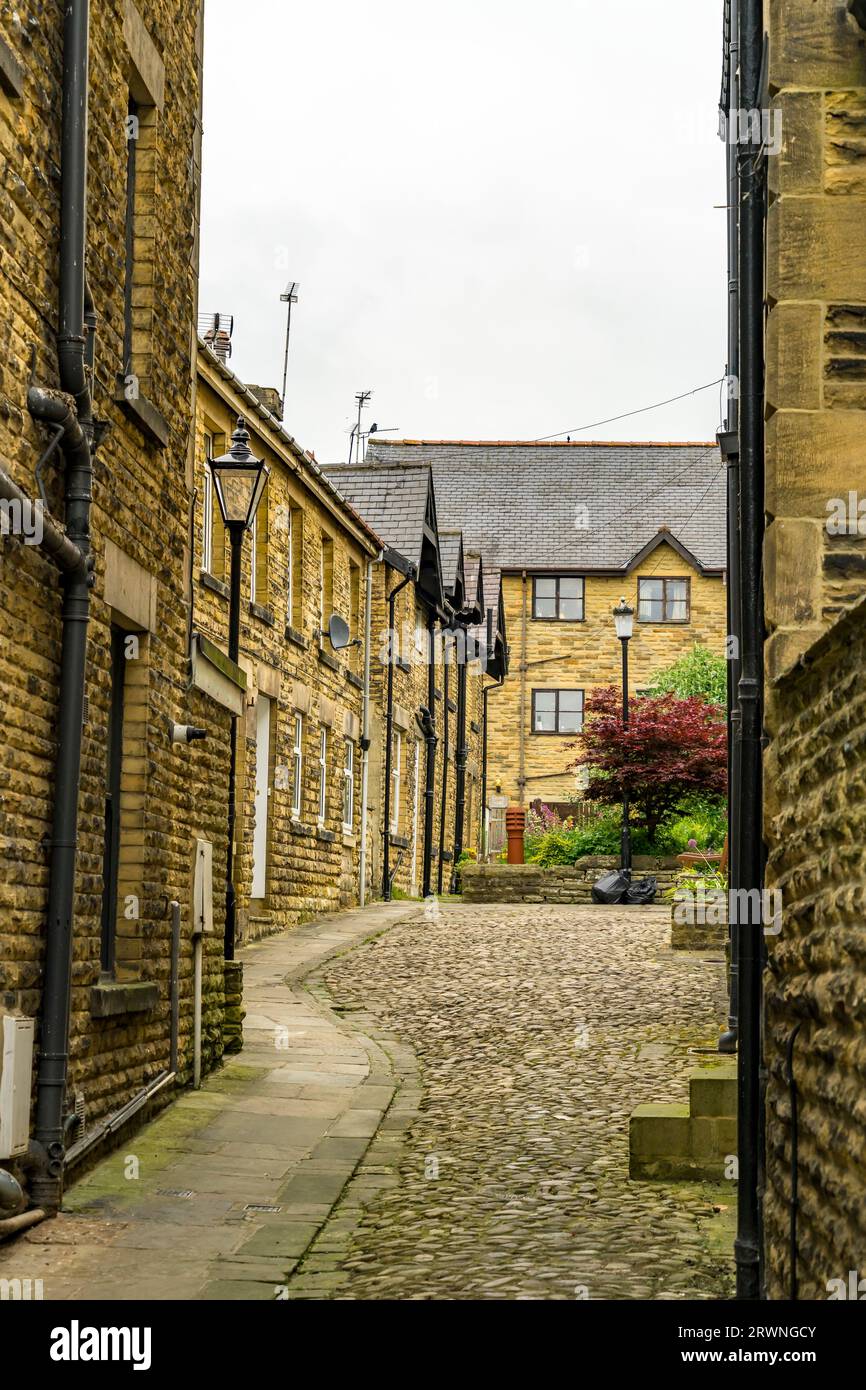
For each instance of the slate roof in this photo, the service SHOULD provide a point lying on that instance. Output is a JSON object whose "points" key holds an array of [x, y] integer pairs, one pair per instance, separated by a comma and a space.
{"points": [[450, 544], [393, 501], [521, 504]]}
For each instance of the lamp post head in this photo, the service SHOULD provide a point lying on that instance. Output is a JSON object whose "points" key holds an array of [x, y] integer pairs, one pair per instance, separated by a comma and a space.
{"points": [[239, 480], [623, 617]]}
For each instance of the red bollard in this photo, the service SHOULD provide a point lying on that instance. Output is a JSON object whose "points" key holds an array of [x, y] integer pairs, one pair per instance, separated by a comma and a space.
{"points": [[515, 825]]}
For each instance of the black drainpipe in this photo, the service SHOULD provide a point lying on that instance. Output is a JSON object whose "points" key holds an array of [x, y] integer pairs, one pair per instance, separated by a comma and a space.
{"points": [[730, 447], [389, 733], [750, 849], [443, 806], [485, 819], [432, 739], [461, 755], [78, 433]]}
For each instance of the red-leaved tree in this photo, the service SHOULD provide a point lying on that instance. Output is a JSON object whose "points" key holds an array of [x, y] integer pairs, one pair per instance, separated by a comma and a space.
{"points": [[670, 749]]}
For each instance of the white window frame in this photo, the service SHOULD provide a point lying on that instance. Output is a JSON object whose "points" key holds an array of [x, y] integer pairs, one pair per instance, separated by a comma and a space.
{"points": [[323, 774], [207, 511], [290, 570], [396, 760], [349, 786], [297, 764]]}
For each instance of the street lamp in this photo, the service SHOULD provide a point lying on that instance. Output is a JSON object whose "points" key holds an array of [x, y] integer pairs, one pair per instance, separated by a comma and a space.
{"points": [[623, 617], [239, 480]]}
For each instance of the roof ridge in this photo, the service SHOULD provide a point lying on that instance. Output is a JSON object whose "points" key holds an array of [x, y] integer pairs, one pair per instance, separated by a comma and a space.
{"points": [[544, 444]]}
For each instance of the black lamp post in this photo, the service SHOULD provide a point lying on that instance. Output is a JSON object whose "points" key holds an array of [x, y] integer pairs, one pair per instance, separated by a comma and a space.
{"points": [[623, 617], [239, 480]]}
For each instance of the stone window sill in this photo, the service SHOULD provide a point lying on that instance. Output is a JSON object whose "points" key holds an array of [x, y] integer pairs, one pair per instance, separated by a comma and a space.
{"points": [[349, 840], [152, 424], [402, 665], [216, 586], [354, 680], [264, 615], [112, 998], [398, 841], [297, 827], [327, 660], [293, 635], [327, 835]]}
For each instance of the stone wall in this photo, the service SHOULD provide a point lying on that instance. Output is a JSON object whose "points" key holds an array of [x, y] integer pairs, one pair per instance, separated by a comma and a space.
{"points": [[815, 766], [529, 883], [311, 863], [140, 527], [583, 655], [816, 975]]}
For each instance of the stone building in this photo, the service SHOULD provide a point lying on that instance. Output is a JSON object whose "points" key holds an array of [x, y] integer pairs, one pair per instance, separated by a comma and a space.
{"points": [[104, 810], [815, 652], [570, 528], [432, 767], [300, 756]]}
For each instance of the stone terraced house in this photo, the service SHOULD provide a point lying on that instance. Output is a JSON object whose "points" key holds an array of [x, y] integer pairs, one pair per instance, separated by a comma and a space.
{"points": [[102, 810], [568, 529]]}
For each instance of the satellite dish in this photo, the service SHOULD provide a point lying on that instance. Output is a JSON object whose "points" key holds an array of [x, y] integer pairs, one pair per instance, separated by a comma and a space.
{"points": [[338, 632]]}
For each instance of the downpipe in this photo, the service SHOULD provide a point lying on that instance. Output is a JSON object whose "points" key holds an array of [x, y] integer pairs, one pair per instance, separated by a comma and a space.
{"points": [[751, 168], [78, 435]]}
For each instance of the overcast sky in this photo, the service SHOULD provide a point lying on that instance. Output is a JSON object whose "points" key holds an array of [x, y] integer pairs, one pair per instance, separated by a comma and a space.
{"points": [[501, 214]]}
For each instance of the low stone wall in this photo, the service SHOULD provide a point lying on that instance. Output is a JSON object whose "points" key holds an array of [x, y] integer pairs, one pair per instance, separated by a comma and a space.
{"points": [[529, 883]]}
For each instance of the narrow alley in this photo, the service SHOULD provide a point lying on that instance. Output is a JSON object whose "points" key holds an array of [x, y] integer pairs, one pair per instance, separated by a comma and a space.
{"points": [[430, 1104]]}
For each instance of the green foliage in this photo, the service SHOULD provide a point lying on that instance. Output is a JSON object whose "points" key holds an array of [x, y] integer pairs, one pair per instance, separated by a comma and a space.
{"points": [[703, 819], [700, 818], [603, 837], [699, 672]]}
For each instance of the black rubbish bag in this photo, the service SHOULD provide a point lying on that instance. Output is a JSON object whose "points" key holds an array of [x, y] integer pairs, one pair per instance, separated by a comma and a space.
{"points": [[611, 888], [643, 891]]}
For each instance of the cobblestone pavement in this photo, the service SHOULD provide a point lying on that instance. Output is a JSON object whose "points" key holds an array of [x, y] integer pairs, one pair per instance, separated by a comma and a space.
{"points": [[523, 1037]]}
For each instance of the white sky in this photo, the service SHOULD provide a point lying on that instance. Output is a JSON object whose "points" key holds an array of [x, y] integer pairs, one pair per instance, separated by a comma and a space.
{"points": [[501, 214]]}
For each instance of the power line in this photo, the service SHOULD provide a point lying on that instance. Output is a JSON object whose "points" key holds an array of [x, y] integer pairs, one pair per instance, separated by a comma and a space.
{"points": [[579, 429]]}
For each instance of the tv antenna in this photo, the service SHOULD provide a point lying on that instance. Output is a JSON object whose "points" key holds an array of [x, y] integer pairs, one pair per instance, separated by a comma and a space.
{"points": [[290, 297]]}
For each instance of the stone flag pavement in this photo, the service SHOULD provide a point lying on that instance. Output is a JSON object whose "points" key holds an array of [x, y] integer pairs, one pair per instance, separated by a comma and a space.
{"points": [[429, 1104]]}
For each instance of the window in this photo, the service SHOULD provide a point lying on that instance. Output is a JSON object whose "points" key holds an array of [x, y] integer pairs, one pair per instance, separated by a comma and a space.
{"points": [[396, 754], [557, 711], [253, 566], [354, 609], [297, 764], [349, 785], [323, 776], [114, 769], [295, 568], [663, 600], [326, 580], [139, 249], [207, 510], [557, 599]]}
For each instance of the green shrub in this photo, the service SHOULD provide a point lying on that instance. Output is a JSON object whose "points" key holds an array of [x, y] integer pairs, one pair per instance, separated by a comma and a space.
{"points": [[703, 819]]}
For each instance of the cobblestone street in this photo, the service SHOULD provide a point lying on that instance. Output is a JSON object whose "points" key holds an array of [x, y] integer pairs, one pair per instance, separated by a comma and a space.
{"points": [[524, 1036], [425, 1107]]}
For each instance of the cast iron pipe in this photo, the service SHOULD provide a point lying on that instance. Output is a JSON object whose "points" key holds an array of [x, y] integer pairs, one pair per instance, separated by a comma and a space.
{"points": [[55, 543], [389, 734], [430, 765], [49, 1131], [728, 1039], [443, 805], [751, 168], [461, 757]]}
